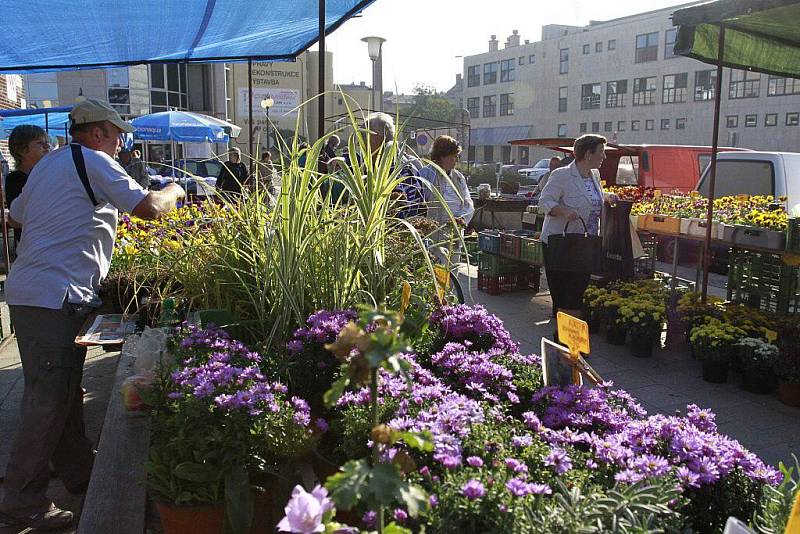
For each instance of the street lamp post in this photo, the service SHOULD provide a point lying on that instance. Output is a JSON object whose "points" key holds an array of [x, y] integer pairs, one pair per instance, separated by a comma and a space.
{"points": [[374, 50], [266, 103]]}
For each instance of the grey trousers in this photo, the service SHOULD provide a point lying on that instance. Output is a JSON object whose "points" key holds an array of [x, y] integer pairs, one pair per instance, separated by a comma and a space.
{"points": [[51, 425]]}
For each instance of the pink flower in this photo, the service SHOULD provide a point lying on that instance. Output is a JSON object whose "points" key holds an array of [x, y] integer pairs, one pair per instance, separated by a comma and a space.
{"points": [[304, 511]]}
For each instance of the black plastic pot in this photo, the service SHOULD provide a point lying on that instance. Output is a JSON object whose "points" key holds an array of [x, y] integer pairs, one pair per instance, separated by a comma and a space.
{"points": [[758, 380], [715, 372], [642, 346], [616, 335]]}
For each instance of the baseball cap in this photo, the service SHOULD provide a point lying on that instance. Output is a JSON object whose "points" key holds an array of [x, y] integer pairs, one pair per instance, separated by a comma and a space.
{"points": [[91, 110]]}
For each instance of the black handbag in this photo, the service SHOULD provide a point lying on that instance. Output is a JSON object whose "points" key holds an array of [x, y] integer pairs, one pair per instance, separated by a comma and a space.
{"points": [[577, 253]]}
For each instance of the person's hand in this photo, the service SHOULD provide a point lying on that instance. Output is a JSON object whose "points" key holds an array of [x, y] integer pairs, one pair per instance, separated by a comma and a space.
{"points": [[612, 198], [460, 221]]}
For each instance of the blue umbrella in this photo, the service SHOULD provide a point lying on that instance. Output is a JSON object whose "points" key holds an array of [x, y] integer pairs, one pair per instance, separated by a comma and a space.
{"points": [[179, 126]]}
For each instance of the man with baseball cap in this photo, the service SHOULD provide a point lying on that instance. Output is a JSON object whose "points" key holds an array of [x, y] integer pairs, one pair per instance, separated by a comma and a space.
{"points": [[69, 210]]}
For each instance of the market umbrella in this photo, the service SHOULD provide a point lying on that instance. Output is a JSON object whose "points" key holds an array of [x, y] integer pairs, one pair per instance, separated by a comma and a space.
{"points": [[758, 35], [179, 126]]}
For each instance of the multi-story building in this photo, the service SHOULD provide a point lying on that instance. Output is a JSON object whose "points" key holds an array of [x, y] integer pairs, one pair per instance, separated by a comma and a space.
{"points": [[619, 78], [12, 96]]}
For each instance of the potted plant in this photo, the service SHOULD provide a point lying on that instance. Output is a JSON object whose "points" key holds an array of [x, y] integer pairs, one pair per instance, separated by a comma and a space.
{"points": [[643, 320], [757, 359], [220, 429], [693, 312], [615, 333], [787, 370], [592, 307], [713, 343]]}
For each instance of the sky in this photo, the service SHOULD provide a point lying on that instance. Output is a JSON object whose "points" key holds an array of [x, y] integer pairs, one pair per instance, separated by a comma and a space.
{"points": [[424, 37]]}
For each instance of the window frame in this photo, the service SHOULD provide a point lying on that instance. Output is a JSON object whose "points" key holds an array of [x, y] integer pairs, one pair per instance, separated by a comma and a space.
{"points": [[731, 121], [766, 120], [507, 107], [489, 108], [477, 108], [774, 81], [644, 97], [680, 123], [563, 60], [706, 92], [636, 125], [507, 70], [649, 125], [666, 124], [559, 130], [621, 125], [753, 120], [592, 100], [563, 99], [747, 87], [490, 73], [587, 49], [616, 98], [795, 118], [611, 44], [675, 94], [473, 76], [531, 59], [583, 127], [669, 51], [648, 52]]}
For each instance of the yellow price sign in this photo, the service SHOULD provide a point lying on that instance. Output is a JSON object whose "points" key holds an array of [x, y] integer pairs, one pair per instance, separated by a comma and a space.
{"points": [[793, 524], [656, 193], [603, 183], [771, 335], [442, 280], [742, 198], [405, 297], [573, 333], [694, 194]]}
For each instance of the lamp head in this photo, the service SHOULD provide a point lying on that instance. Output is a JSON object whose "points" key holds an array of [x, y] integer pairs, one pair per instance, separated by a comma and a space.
{"points": [[374, 46], [267, 102]]}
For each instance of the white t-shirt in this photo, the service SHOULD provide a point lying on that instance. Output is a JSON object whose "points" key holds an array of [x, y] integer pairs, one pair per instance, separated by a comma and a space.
{"points": [[67, 243]]}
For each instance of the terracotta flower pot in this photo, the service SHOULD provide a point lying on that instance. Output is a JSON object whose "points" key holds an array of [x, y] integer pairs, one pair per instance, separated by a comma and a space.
{"points": [[789, 394], [715, 372], [191, 519]]}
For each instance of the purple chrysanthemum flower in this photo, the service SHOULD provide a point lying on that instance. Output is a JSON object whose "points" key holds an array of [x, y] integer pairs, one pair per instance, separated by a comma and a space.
{"points": [[473, 489], [558, 460], [475, 461]]}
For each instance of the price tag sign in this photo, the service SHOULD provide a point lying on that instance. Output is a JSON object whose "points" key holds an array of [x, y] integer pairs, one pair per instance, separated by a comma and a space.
{"points": [[793, 524], [442, 280], [603, 183], [694, 194], [772, 335], [405, 297], [742, 198], [656, 193], [573, 333]]}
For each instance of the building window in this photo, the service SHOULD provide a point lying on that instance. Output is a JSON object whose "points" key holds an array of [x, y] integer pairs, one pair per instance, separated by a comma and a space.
{"points": [[608, 126], [771, 119], [598, 47], [665, 124], [680, 124], [705, 82], [471, 153], [532, 59], [488, 153], [119, 95], [473, 76], [783, 86], [750, 121], [732, 121], [473, 106], [489, 73], [644, 91], [563, 61], [590, 96], [168, 87], [522, 60], [612, 44], [506, 104], [489, 106], [646, 47], [674, 89], [505, 154], [586, 49], [744, 84], [562, 99], [649, 124], [595, 127], [582, 127], [562, 130], [635, 125], [507, 70], [615, 93], [669, 42], [621, 126], [792, 118]]}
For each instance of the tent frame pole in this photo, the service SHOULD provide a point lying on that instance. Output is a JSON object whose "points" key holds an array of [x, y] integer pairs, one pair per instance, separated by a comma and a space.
{"points": [[321, 73], [250, 111], [713, 173]]}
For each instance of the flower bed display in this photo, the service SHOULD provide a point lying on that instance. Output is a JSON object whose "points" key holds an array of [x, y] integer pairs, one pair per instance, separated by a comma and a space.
{"points": [[464, 437]]}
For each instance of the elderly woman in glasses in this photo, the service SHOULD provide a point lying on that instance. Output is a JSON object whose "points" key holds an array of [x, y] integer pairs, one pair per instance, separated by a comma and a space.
{"points": [[445, 154], [27, 144]]}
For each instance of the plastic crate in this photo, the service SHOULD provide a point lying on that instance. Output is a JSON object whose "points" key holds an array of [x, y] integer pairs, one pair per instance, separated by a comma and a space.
{"points": [[697, 227], [489, 242], [793, 235], [752, 236], [660, 224], [494, 265], [645, 266], [511, 242], [505, 283], [532, 251], [763, 281], [472, 248]]}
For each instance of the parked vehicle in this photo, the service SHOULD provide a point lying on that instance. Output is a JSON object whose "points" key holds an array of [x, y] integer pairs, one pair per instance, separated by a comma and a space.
{"points": [[535, 173]]}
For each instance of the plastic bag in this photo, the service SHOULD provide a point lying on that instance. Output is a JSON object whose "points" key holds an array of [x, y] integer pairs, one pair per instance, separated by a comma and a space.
{"points": [[617, 246], [132, 389], [148, 351]]}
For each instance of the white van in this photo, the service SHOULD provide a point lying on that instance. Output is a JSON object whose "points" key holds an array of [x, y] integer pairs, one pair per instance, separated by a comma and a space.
{"points": [[757, 173]]}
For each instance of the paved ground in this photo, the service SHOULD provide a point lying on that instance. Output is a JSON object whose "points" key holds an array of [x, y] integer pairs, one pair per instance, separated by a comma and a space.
{"points": [[98, 378], [664, 383]]}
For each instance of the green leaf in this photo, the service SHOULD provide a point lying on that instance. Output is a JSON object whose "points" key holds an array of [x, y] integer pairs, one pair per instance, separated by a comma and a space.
{"points": [[394, 528], [195, 472], [337, 388], [414, 498], [384, 484], [422, 441], [238, 501], [347, 486]]}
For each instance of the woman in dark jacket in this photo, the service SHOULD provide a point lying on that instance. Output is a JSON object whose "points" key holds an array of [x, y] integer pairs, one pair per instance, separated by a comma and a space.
{"points": [[27, 144], [233, 175]]}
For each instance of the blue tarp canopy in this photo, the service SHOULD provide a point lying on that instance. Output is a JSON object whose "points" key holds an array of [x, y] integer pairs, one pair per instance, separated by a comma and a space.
{"points": [[52, 119], [179, 126], [50, 35]]}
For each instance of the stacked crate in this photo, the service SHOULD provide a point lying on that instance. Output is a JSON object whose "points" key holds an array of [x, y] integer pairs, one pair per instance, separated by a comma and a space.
{"points": [[508, 261], [762, 280]]}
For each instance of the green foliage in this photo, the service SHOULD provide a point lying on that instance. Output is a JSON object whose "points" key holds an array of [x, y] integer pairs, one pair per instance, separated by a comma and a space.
{"points": [[638, 508], [710, 506], [350, 430], [776, 503]]}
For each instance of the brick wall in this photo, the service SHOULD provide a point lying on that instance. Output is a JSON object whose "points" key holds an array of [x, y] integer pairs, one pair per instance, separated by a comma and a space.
{"points": [[7, 103]]}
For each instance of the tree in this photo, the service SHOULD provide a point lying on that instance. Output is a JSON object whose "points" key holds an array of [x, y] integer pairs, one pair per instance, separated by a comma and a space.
{"points": [[430, 110]]}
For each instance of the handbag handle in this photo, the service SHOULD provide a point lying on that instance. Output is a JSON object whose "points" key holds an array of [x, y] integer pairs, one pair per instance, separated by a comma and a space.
{"points": [[585, 230]]}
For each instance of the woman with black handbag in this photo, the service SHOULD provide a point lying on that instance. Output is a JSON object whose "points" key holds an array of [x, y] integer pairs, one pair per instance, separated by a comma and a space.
{"points": [[573, 202]]}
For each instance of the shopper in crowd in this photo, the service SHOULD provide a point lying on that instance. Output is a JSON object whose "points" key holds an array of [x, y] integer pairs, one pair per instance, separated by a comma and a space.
{"points": [[328, 153], [269, 177], [135, 167], [554, 164], [573, 194], [68, 208], [452, 185], [27, 144], [233, 175]]}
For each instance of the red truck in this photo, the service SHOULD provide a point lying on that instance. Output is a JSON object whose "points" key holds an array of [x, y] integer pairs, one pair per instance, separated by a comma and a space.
{"points": [[664, 167]]}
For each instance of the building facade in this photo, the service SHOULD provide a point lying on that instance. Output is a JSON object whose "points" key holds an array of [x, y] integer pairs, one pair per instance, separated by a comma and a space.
{"points": [[12, 96], [618, 78]]}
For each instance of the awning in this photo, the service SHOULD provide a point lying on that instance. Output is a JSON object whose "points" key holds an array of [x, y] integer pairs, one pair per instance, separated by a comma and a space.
{"points": [[52, 119], [51, 35], [497, 136], [760, 35]]}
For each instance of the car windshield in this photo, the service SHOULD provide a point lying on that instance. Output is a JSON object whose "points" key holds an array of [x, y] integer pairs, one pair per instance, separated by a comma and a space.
{"points": [[542, 164]]}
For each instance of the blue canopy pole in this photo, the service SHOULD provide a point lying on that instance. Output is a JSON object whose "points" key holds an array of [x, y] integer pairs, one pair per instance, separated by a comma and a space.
{"points": [[47, 123], [321, 81], [250, 110]]}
